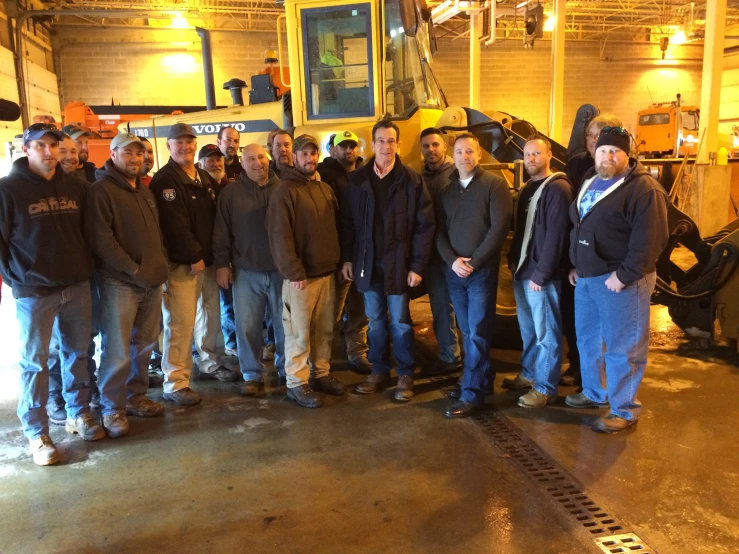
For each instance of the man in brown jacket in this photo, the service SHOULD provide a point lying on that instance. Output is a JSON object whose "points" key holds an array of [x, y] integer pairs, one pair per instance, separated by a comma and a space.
{"points": [[303, 237]]}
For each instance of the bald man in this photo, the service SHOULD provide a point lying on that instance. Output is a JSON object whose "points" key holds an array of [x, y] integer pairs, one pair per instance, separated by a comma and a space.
{"points": [[242, 256]]}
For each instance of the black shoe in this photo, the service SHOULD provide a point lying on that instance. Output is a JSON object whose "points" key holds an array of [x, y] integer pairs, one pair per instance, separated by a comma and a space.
{"points": [[455, 394], [442, 368], [361, 365], [56, 412], [328, 384], [304, 396], [222, 374], [460, 409]]}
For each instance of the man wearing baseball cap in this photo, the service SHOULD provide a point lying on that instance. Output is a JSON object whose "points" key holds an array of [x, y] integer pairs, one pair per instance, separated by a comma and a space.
{"points": [[620, 229], [304, 241], [45, 259], [210, 158], [186, 198], [85, 168], [122, 227]]}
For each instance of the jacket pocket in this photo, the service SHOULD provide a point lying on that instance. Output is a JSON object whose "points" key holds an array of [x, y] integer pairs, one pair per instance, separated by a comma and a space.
{"points": [[587, 259]]}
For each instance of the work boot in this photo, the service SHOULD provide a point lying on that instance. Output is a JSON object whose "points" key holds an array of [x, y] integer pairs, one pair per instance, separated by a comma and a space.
{"points": [[268, 352], [86, 427], [404, 389], [183, 397], [56, 411], [535, 399], [582, 402], [156, 378], [222, 374], [518, 382], [43, 451], [116, 425], [304, 396], [251, 388], [327, 384], [460, 409], [361, 365], [141, 406], [440, 367], [612, 424], [374, 382]]}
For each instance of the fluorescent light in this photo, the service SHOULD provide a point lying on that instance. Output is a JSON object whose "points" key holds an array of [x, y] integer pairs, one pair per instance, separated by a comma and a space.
{"points": [[549, 23]]}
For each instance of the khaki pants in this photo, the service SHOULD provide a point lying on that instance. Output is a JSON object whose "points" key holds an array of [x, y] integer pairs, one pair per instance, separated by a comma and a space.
{"points": [[351, 301], [308, 322]]}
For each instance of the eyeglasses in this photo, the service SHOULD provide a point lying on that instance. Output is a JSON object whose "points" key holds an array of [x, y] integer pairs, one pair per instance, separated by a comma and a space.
{"points": [[389, 142], [615, 131]]}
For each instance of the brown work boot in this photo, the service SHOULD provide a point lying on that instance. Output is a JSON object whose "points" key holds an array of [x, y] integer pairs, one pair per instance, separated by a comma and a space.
{"points": [[535, 399], [327, 384], [612, 424], [518, 382], [374, 382], [43, 451], [404, 390]]}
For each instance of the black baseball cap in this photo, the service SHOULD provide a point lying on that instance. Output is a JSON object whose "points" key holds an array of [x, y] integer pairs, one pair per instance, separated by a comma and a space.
{"points": [[209, 150], [180, 130]]}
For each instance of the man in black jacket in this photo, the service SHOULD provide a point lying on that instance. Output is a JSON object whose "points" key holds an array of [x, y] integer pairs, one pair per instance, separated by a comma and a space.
{"points": [[122, 227], [45, 259], [538, 262], [620, 218], [387, 235], [228, 143], [473, 218], [186, 198], [85, 168], [335, 171]]}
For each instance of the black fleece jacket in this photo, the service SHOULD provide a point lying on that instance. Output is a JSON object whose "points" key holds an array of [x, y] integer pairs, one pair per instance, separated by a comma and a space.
{"points": [[122, 227], [625, 231], [186, 213], [42, 245]]}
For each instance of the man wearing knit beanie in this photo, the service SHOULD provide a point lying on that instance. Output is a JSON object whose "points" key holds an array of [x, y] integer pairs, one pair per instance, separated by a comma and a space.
{"points": [[620, 229]]}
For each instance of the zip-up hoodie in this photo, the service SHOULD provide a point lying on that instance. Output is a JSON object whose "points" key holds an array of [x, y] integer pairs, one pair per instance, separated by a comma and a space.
{"points": [[240, 232], [122, 227], [436, 181], [42, 246], [302, 221], [626, 229]]}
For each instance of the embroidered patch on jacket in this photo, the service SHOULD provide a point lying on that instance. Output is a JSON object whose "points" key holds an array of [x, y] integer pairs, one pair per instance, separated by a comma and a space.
{"points": [[169, 194]]}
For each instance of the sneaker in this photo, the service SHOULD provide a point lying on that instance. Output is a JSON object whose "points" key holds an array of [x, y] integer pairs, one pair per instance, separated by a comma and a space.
{"points": [[141, 406], [374, 382], [328, 384], [582, 402], [404, 390], [535, 399], [251, 388], [86, 427], [183, 397], [361, 365], [612, 424], [518, 382], [116, 425], [304, 396], [43, 451], [56, 411], [268, 352], [156, 378], [222, 374], [95, 398]]}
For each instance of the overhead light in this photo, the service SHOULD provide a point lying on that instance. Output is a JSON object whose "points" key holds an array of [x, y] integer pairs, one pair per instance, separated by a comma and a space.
{"points": [[679, 37], [179, 22], [521, 5], [549, 23]]}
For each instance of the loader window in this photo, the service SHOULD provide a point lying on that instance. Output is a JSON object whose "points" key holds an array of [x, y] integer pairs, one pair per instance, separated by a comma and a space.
{"points": [[337, 42]]}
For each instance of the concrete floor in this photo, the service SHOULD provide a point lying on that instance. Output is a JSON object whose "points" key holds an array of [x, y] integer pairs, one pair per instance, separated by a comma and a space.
{"points": [[363, 474]]}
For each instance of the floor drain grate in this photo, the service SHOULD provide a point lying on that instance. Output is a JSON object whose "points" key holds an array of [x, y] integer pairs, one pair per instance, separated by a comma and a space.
{"points": [[624, 543]]}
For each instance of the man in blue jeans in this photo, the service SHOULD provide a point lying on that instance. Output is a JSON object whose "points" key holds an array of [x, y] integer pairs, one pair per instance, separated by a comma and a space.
{"points": [[620, 229], [122, 227], [473, 216], [243, 258], [45, 260], [387, 235], [538, 262]]}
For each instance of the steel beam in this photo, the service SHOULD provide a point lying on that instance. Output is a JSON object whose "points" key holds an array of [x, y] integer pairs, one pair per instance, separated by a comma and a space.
{"points": [[713, 61]]}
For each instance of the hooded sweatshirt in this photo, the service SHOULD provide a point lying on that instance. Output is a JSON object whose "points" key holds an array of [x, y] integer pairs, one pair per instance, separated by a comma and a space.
{"points": [[302, 221], [122, 227], [42, 246]]}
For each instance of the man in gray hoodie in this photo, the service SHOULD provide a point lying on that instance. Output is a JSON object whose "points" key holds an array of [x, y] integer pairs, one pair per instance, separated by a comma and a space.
{"points": [[122, 227]]}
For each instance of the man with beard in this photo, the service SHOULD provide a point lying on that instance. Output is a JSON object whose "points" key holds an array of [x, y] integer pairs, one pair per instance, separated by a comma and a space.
{"points": [[620, 229], [228, 143], [242, 257], [148, 164], [68, 158], [280, 144], [335, 171], [210, 158], [304, 240], [122, 227], [186, 199], [85, 169], [538, 262]]}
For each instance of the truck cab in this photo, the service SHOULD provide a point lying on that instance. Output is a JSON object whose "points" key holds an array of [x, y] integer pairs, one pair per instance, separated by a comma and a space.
{"points": [[658, 126]]}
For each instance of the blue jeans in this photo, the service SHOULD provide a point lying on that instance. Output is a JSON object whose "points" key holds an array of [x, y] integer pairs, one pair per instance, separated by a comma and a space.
{"points": [[541, 331], [270, 338], [445, 324], [377, 306], [228, 325], [474, 299], [55, 372], [253, 291], [130, 319], [620, 320], [36, 315]]}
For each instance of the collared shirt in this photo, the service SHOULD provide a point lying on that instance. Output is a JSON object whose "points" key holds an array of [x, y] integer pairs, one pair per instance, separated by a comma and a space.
{"points": [[381, 173]]}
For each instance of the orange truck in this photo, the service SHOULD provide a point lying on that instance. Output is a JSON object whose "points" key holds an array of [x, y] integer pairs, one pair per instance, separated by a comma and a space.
{"points": [[658, 130]]}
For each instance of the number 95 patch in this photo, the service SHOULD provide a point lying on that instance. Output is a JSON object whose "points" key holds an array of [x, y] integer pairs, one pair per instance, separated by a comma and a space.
{"points": [[169, 194]]}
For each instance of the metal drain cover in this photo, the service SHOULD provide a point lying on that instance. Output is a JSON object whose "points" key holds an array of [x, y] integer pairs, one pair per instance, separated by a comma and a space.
{"points": [[622, 544]]}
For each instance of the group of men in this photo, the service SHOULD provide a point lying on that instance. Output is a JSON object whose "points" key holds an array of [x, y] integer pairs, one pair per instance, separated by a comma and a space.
{"points": [[209, 253]]}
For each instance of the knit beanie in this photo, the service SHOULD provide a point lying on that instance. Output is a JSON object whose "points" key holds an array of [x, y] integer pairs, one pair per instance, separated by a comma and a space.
{"points": [[613, 139]]}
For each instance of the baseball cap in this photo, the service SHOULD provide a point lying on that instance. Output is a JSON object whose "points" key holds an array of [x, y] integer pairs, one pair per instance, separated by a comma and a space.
{"points": [[209, 150], [344, 136], [75, 131], [38, 130], [124, 139], [180, 130], [304, 140]]}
